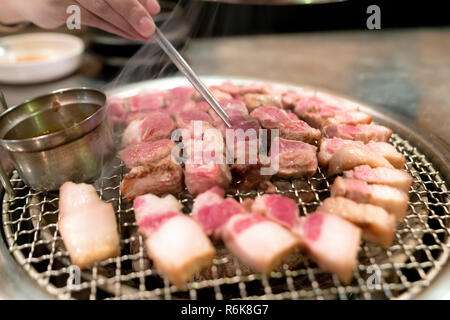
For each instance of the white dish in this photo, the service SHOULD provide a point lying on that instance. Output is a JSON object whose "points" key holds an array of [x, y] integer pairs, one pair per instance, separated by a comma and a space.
{"points": [[38, 57]]}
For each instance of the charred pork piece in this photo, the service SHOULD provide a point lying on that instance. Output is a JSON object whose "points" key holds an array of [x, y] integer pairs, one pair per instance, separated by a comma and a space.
{"points": [[360, 132], [142, 153]]}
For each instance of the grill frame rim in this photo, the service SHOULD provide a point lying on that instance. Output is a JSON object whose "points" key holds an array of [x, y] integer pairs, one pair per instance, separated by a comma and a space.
{"points": [[28, 288]]}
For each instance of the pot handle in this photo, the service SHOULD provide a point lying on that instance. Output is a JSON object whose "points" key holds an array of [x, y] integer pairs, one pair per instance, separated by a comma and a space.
{"points": [[3, 176]]}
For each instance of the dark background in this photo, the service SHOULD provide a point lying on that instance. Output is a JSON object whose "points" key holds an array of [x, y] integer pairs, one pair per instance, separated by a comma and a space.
{"points": [[219, 19]]}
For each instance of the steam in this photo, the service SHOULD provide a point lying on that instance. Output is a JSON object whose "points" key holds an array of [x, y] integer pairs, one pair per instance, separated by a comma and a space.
{"points": [[150, 62]]}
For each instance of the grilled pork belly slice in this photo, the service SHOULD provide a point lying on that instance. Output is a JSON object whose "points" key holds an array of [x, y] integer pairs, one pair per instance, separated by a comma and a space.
{"points": [[360, 132], [204, 176], [389, 152], [290, 99], [295, 158], [162, 177], [184, 118], [175, 242], [147, 100], [280, 209], [87, 225], [377, 225], [391, 199], [258, 242], [349, 157], [348, 117], [395, 178], [156, 125], [314, 104], [146, 152], [290, 128], [212, 215], [328, 147], [331, 242], [254, 100]]}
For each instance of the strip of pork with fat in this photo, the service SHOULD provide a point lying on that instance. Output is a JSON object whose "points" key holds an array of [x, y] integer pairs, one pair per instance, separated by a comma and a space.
{"points": [[391, 199], [377, 225], [87, 225], [395, 178], [174, 241]]}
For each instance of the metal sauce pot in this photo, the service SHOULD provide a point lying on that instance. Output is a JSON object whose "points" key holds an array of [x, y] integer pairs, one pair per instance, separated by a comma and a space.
{"points": [[58, 137]]}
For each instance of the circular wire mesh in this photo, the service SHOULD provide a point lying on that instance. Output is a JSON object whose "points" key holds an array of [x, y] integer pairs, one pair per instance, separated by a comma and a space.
{"points": [[417, 254]]}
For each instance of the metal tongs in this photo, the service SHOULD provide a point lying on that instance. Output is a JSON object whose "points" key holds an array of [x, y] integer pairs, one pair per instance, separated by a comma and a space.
{"points": [[185, 69]]}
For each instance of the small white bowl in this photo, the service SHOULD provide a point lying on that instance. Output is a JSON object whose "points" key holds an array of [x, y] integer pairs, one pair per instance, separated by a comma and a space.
{"points": [[38, 57]]}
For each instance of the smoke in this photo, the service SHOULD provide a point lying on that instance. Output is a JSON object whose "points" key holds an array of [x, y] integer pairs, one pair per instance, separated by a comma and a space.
{"points": [[178, 25]]}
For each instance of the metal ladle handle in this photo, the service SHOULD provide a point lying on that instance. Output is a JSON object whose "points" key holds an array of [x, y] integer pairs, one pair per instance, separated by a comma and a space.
{"points": [[3, 176]]}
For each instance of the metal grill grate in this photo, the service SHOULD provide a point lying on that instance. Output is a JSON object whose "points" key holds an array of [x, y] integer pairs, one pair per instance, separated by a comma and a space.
{"points": [[419, 251]]}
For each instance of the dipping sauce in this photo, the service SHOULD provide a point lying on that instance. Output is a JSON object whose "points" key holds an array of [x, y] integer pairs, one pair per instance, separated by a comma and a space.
{"points": [[51, 120]]}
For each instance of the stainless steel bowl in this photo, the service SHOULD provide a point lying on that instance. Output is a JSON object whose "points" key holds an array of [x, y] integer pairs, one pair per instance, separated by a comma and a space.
{"points": [[58, 137]]}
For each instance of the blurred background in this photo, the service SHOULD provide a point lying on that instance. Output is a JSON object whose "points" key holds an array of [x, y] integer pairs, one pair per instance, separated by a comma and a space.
{"points": [[404, 67]]}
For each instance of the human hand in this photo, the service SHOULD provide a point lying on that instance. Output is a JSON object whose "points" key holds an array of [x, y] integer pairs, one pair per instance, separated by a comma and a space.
{"points": [[127, 18]]}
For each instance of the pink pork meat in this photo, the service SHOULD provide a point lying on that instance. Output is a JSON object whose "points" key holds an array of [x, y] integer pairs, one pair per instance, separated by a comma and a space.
{"points": [[257, 242], [395, 178], [147, 101], [331, 242], [377, 225], [156, 125], [275, 118], [349, 157], [324, 118], [175, 242], [212, 211], [280, 209], [146, 152], [360, 132], [391, 199], [314, 104], [328, 148], [295, 158]]}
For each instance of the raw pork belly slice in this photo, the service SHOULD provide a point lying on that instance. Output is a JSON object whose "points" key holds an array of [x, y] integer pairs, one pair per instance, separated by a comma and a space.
{"points": [[258, 242], [295, 158], [275, 118], [213, 196], [329, 146], [149, 204], [175, 242], [162, 177], [254, 100], [391, 199], [146, 152], [399, 179], [184, 118], [360, 132], [349, 157], [213, 216], [156, 125], [324, 118], [377, 225], [331, 242], [147, 101], [180, 99], [87, 225], [280, 209]]}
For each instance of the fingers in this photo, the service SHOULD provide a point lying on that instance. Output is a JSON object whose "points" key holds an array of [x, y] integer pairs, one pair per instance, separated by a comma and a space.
{"points": [[151, 5], [103, 10], [92, 20], [136, 14]]}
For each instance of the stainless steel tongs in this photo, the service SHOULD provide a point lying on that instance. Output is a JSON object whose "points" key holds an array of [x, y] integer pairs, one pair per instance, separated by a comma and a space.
{"points": [[185, 69]]}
